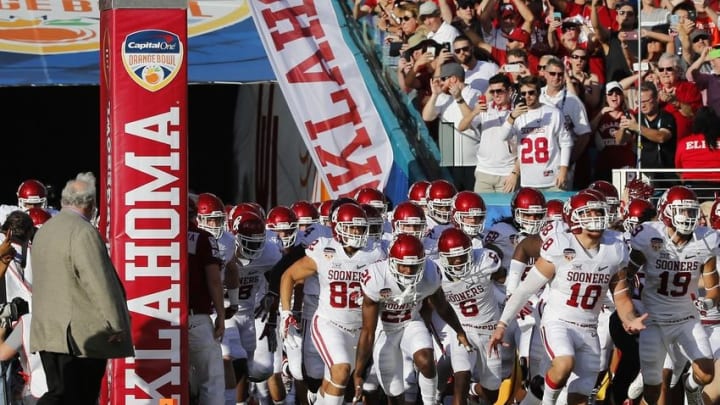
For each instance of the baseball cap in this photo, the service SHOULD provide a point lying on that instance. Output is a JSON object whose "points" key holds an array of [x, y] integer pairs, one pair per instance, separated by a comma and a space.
{"points": [[518, 34], [610, 86], [507, 9], [714, 54], [428, 8], [699, 33], [687, 92], [415, 40], [452, 69]]}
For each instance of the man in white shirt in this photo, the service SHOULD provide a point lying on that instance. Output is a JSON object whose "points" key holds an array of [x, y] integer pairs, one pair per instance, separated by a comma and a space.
{"points": [[477, 72], [571, 107], [449, 92], [497, 168], [440, 31], [544, 144]]}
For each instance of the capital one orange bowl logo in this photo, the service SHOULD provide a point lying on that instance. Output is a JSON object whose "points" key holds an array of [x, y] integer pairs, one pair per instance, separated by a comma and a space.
{"points": [[61, 27], [152, 58]]}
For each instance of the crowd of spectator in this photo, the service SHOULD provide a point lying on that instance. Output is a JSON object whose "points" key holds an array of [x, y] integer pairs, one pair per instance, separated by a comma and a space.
{"points": [[628, 78]]}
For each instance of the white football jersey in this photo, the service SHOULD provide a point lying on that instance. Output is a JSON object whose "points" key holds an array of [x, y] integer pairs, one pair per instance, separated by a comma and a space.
{"points": [[252, 276], [474, 300], [672, 272], [398, 306], [311, 286], [505, 237], [226, 248], [340, 276], [582, 278]]}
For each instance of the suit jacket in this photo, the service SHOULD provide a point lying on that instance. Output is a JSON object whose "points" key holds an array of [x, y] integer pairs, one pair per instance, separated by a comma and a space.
{"points": [[78, 299]]}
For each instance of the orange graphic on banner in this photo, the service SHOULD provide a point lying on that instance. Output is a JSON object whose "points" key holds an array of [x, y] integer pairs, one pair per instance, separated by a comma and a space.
{"points": [[168, 401]]}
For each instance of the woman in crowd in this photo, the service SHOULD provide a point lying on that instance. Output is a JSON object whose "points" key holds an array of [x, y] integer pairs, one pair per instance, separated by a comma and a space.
{"points": [[614, 152]]}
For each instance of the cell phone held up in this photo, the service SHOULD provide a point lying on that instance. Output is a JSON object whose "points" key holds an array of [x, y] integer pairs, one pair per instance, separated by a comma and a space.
{"points": [[519, 100], [631, 35]]}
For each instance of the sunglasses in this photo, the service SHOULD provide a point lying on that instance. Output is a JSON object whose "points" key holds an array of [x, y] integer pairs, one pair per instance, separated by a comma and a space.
{"points": [[700, 38], [496, 91], [463, 49], [665, 69], [444, 78], [407, 18], [528, 93], [583, 57], [554, 73], [541, 67], [465, 5], [573, 28], [626, 12]]}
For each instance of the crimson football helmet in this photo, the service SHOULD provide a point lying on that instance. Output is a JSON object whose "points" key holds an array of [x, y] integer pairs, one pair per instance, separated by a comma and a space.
{"points": [[283, 221], [554, 210], [637, 188], [249, 230], [211, 214], [439, 200], [240, 209], [306, 213], [586, 211], [612, 198], [409, 217], [528, 210], [417, 192], [325, 211], [637, 212], [455, 252], [714, 220], [679, 208], [372, 197], [31, 193], [406, 250], [468, 212], [350, 225], [39, 216]]}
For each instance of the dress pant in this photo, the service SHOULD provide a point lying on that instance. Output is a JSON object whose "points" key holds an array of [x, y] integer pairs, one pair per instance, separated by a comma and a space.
{"points": [[71, 380]]}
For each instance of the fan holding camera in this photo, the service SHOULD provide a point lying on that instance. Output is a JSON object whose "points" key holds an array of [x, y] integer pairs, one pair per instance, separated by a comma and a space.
{"points": [[544, 143]]}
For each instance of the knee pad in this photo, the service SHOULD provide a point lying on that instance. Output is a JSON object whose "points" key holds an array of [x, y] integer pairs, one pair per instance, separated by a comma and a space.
{"points": [[312, 384]]}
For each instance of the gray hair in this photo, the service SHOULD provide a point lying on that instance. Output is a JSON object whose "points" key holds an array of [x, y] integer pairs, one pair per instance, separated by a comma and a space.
{"points": [[674, 60], [79, 192]]}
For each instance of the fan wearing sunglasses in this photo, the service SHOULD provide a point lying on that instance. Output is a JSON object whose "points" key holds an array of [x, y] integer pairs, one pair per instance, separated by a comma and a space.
{"points": [[572, 109], [477, 72], [619, 47], [544, 142]]}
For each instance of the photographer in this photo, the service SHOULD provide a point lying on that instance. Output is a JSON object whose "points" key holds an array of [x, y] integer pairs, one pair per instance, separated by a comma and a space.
{"points": [[12, 340], [18, 229]]}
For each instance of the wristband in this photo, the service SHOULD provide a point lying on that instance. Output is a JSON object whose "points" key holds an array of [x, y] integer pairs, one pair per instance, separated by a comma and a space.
{"points": [[459, 100], [234, 296]]}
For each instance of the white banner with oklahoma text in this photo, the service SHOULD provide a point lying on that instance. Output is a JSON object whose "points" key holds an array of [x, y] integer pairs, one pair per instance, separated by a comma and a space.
{"points": [[326, 93]]}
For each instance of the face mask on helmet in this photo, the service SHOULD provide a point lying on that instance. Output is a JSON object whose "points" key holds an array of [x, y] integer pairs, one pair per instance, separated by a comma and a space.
{"points": [[249, 246], [528, 210], [455, 253], [680, 209], [213, 223], [406, 260], [249, 230], [684, 215], [471, 222], [592, 216], [350, 225], [32, 193]]}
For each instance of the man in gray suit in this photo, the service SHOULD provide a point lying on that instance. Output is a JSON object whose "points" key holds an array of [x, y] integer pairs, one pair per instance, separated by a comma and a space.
{"points": [[80, 315]]}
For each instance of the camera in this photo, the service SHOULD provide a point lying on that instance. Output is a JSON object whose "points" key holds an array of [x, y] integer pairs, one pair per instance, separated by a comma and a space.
{"points": [[446, 46], [11, 311], [520, 100]]}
